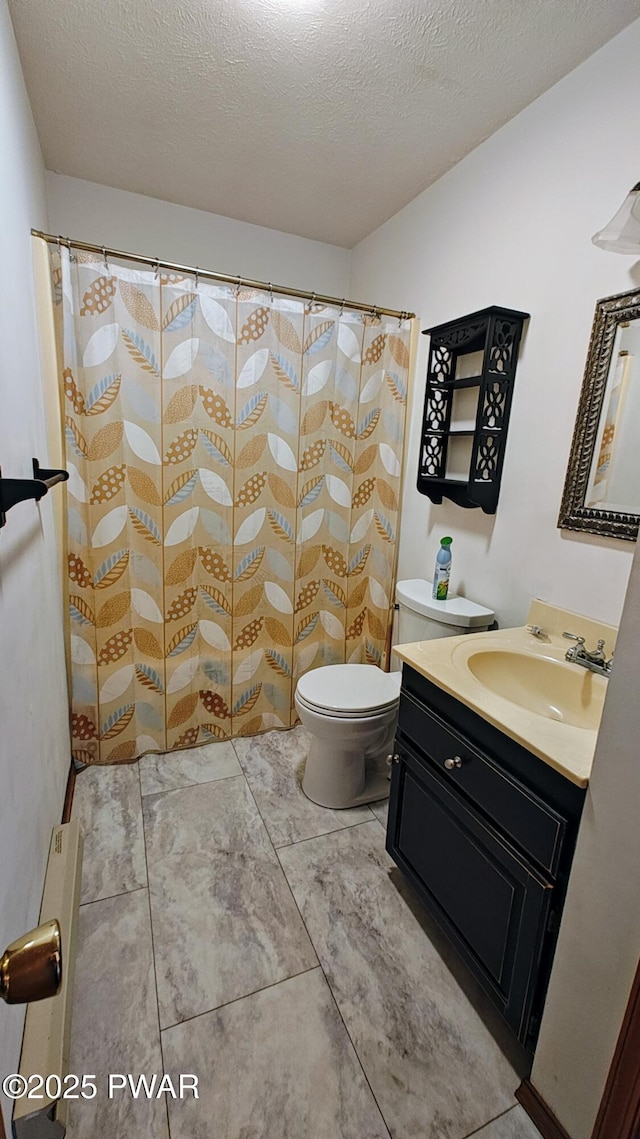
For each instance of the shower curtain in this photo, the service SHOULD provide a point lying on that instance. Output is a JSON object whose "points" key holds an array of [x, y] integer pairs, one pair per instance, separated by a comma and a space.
{"points": [[234, 463]]}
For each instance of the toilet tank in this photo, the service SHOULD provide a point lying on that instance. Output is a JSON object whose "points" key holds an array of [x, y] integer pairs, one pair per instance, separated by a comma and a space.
{"points": [[418, 617]]}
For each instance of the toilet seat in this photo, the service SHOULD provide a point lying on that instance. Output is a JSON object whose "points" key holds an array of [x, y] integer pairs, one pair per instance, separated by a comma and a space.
{"points": [[349, 691], [333, 714]]}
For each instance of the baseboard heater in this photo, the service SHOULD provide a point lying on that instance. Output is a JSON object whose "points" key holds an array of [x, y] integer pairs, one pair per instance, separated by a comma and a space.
{"points": [[47, 1029]]}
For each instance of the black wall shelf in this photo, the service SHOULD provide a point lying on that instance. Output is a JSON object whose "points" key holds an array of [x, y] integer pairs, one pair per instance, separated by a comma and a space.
{"points": [[472, 478]]}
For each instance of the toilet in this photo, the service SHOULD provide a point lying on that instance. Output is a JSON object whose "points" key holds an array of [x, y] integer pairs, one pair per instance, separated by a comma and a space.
{"points": [[351, 710]]}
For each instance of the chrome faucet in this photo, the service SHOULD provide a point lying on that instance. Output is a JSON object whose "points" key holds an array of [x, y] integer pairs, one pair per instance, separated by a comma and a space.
{"points": [[595, 660]]}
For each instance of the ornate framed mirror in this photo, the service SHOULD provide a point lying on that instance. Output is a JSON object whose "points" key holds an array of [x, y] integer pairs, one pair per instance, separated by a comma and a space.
{"points": [[602, 488]]}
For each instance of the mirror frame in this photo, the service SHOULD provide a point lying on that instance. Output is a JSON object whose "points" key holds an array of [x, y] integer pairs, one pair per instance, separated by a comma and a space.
{"points": [[574, 515]]}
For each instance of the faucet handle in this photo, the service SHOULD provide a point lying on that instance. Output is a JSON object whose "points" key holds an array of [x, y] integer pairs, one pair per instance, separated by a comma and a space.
{"points": [[578, 652], [598, 654]]}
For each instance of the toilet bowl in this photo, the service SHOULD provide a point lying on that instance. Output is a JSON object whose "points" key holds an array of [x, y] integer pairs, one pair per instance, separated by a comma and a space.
{"points": [[350, 711]]}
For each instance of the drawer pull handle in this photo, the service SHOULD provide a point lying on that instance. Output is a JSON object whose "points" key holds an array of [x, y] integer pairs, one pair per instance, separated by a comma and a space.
{"points": [[454, 762], [392, 759]]}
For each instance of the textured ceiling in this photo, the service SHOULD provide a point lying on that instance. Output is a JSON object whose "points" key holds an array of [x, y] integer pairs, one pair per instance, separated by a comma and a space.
{"points": [[318, 117]]}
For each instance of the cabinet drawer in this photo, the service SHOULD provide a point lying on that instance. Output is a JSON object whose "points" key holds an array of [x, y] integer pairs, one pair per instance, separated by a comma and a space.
{"points": [[529, 822]]}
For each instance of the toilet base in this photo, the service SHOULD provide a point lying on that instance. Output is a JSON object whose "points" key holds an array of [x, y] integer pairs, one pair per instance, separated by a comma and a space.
{"points": [[343, 774], [375, 788]]}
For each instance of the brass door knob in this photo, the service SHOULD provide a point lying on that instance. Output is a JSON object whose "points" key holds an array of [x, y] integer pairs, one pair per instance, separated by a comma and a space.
{"points": [[31, 967]]}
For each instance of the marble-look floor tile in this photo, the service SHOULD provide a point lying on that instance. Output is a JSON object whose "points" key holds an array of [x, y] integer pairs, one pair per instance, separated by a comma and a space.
{"points": [[275, 1065], [115, 1019], [184, 768], [434, 1068], [381, 811], [515, 1124], [106, 801], [224, 921], [274, 766]]}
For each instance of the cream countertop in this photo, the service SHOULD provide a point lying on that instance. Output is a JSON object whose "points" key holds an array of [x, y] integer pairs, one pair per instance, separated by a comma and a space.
{"points": [[563, 745]]}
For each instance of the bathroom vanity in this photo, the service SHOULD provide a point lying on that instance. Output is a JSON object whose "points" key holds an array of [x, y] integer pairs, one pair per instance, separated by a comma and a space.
{"points": [[485, 833], [483, 826]]}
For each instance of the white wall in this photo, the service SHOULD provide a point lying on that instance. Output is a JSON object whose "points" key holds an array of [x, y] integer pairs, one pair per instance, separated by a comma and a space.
{"points": [[34, 740], [511, 225], [137, 224]]}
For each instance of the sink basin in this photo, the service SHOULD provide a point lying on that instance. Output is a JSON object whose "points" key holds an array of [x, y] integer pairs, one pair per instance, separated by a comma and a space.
{"points": [[540, 684], [522, 684]]}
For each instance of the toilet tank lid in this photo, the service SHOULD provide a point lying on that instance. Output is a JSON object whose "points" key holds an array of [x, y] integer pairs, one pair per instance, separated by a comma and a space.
{"points": [[416, 595]]}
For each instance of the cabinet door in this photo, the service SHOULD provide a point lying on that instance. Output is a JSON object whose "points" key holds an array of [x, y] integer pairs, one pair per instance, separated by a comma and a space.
{"points": [[486, 898], [513, 808]]}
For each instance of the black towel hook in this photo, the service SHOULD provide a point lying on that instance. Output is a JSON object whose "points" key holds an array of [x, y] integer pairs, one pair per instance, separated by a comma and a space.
{"points": [[13, 491]]}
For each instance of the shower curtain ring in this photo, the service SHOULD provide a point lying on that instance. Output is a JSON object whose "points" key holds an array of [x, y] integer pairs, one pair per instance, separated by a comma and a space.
{"points": [[156, 269], [270, 292], [105, 258], [342, 304], [59, 244], [197, 275], [238, 287]]}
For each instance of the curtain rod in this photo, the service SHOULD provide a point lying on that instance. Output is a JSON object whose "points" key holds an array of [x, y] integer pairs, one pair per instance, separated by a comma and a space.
{"points": [[156, 263]]}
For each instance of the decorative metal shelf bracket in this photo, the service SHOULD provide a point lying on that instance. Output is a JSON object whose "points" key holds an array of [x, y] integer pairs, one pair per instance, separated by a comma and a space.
{"points": [[13, 491]]}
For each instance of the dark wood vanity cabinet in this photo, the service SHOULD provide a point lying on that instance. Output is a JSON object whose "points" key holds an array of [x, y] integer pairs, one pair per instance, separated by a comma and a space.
{"points": [[485, 832]]}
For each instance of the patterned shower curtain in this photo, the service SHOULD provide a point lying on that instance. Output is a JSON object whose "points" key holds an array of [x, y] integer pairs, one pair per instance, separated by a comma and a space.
{"points": [[235, 462]]}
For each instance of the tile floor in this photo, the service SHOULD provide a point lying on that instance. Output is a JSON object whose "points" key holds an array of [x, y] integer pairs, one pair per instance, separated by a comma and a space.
{"points": [[231, 929]]}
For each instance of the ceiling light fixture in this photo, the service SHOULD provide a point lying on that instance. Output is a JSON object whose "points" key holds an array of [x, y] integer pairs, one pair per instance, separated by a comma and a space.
{"points": [[622, 234]]}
